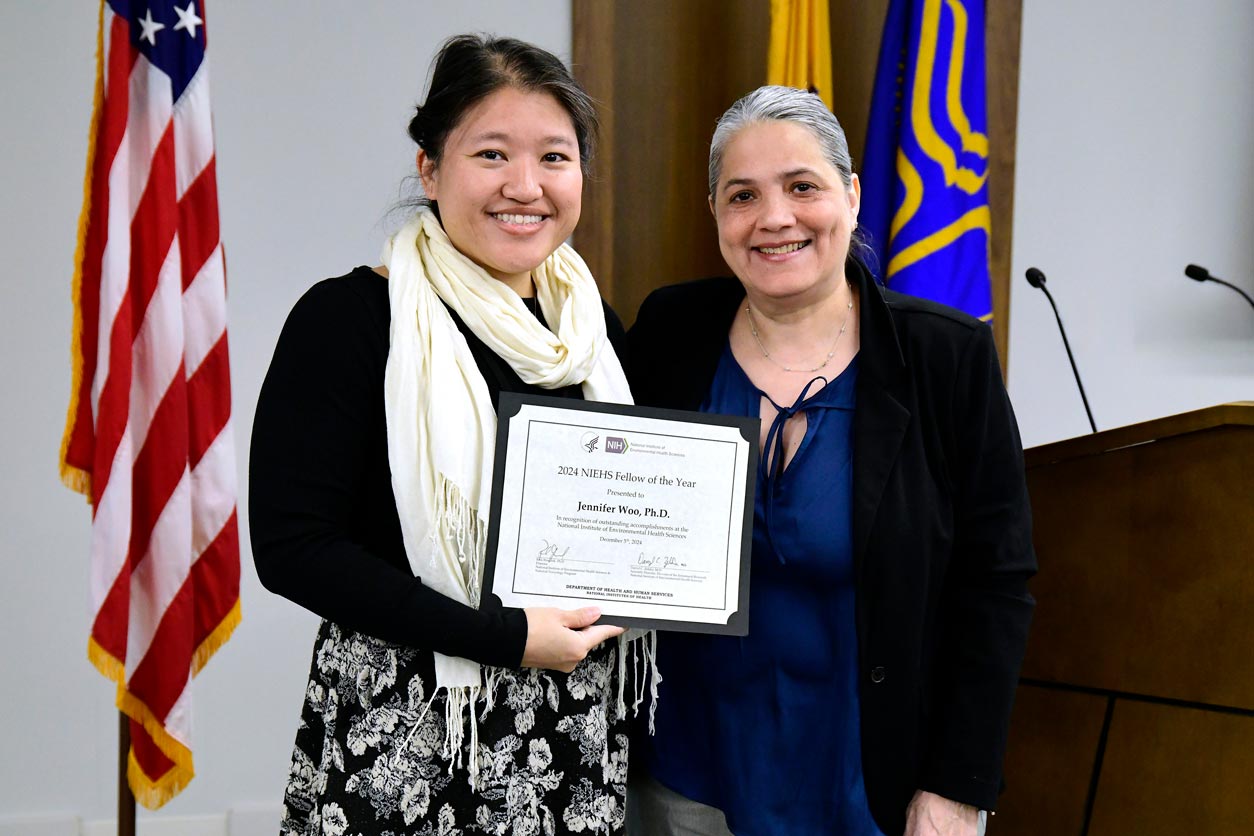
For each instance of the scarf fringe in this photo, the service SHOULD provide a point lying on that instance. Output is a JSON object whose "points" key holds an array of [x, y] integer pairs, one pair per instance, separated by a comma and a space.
{"points": [[459, 526], [456, 704], [462, 749], [645, 673]]}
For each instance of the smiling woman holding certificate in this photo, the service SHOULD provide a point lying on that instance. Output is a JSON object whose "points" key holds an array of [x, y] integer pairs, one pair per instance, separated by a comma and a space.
{"points": [[370, 476], [891, 544]]}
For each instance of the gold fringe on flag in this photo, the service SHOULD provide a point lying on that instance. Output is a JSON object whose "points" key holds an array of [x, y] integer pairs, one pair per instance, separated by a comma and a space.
{"points": [[151, 793], [217, 638], [75, 478], [154, 794], [147, 791]]}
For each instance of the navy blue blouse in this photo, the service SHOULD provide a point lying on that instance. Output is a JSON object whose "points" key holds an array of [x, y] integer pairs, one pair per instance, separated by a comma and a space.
{"points": [[765, 727]]}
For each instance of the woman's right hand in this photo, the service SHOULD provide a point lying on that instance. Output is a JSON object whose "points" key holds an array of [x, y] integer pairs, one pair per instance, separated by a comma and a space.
{"points": [[560, 639]]}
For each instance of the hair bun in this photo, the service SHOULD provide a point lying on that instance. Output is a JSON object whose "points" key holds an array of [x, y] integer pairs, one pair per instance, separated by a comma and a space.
{"points": [[417, 126], [469, 68]]}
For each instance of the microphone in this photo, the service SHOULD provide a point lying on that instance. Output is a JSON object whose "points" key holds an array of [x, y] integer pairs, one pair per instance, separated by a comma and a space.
{"points": [[1201, 274], [1037, 279]]}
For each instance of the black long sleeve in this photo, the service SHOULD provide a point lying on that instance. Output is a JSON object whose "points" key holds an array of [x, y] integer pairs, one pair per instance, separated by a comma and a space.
{"points": [[324, 524]]}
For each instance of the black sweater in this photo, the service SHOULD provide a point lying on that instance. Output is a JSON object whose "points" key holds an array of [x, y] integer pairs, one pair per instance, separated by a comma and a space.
{"points": [[325, 530]]}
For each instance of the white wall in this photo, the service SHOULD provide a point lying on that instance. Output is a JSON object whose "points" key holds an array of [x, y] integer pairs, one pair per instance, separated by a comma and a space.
{"points": [[1135, 157], [311, 101]]}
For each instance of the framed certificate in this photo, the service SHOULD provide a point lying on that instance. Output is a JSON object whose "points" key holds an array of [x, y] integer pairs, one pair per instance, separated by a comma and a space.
{"points": [[645, 513]]}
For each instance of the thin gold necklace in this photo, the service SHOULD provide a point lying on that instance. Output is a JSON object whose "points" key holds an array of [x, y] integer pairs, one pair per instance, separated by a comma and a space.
{"points": [[753, 328]]}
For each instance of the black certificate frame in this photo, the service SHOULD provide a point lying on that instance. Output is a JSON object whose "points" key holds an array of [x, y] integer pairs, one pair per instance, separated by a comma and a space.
{"points": [[509, 407]]}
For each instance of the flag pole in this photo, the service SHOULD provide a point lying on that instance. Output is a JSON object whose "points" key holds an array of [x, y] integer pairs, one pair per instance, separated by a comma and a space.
{"points": [[126, 798]]}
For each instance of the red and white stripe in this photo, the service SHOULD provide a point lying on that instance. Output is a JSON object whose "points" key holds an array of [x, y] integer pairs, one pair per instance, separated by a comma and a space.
{"points": [[150, 434]]}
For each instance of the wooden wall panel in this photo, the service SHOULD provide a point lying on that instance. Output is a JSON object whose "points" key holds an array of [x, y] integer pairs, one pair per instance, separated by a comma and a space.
{"points": [[593, 31], [856, 29], [1049, 763], [1172, 770], [1002, 46], [664, 71], [1165, 769]]}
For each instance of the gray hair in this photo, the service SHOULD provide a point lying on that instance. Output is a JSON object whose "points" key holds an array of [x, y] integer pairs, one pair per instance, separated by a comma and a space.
{"points": [[783, 104]]}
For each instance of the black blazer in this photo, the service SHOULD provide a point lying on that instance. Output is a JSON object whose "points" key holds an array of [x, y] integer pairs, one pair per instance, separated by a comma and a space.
{"points": [[941, 527]]}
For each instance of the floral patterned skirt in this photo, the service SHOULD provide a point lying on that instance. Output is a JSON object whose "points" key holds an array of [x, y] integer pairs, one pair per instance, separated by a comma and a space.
{"points": [[368, 757]]}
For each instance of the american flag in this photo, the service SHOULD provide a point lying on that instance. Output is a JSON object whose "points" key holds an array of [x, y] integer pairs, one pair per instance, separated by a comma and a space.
{"points": [[148, 438]]}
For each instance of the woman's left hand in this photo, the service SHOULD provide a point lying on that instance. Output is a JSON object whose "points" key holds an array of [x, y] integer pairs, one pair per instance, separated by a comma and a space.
{"points": [[932, 815]]}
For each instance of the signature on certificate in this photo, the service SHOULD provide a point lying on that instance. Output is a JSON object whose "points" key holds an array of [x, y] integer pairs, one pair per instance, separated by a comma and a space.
{"points": [[661, 561], [553, 551]]}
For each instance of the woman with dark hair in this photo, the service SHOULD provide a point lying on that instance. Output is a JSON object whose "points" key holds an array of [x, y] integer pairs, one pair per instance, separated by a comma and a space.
{"points": [[371, 471], [892, 538]]}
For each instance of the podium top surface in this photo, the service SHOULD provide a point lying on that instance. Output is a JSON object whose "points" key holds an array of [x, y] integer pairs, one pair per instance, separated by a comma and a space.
{"points": [[1238, 413]]}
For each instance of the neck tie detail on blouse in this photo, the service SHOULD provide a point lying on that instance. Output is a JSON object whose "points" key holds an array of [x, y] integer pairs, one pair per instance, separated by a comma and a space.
{"points": [[773, 460]]}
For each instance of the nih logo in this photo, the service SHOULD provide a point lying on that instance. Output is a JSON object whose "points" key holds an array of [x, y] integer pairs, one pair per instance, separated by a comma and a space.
{"points": [[615, 445]]}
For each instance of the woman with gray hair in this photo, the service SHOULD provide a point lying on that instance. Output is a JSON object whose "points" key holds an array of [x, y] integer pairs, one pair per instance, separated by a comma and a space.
{"points": [[892, 536]]}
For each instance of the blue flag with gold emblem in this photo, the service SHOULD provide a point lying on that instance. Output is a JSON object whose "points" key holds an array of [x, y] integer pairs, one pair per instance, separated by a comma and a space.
{"points": [[925, 173]]}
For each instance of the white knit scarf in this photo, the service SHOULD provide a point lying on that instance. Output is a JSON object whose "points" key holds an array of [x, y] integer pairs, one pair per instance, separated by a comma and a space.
{"points": [[441, 424]]}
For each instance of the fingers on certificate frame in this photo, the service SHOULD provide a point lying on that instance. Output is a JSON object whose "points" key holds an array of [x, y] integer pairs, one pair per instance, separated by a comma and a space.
{"points": [[645, 513]]}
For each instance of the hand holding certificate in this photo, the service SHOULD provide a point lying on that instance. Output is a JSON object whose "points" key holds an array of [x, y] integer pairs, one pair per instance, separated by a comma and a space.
{"points": [[644, 513]]}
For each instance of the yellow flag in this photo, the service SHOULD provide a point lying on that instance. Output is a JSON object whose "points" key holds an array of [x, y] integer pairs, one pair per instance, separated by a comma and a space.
{"points": [[801, 47]]}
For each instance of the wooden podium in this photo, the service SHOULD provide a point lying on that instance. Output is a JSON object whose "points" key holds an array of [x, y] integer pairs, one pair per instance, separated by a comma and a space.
{"points": [[1135, 713]]}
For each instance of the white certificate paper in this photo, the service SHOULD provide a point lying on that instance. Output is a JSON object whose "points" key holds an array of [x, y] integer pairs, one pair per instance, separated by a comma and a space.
{"points": [[645, 513]]}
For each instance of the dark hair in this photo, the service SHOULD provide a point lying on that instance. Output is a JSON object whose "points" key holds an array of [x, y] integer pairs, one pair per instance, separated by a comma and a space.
{"points": [[469, 68]]}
